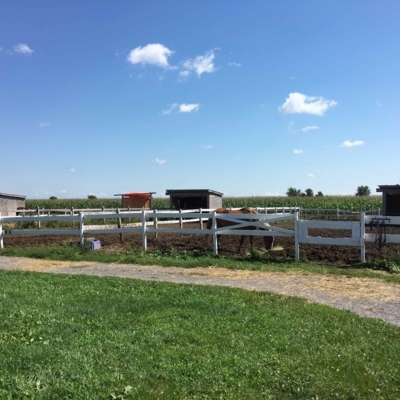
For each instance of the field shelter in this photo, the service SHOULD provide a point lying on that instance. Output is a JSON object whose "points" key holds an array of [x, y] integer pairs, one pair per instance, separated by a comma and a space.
{"points": [[390, 199], [189, 199], [136, 200], [9, 204]]}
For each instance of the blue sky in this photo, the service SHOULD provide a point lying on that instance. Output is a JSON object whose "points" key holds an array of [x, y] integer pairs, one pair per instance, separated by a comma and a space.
{"points": [[243, 97]]}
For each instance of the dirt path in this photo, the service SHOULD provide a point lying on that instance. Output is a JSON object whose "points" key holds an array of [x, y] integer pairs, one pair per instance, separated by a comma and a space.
{"points": [[365, 296]]}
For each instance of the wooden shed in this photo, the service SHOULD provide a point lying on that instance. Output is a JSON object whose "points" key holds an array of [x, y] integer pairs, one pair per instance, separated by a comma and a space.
{"points": [[187, 199], [390, 199], [136, 199], [9, 203]]}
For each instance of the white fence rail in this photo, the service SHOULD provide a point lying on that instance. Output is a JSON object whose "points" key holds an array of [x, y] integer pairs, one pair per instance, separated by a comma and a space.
{"points": [[150, 220]]}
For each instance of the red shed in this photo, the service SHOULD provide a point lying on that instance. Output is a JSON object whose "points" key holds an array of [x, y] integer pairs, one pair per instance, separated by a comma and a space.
{"points": [[136, 199]]}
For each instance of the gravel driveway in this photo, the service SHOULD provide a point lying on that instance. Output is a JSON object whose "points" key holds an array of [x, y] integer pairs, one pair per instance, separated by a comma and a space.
{"points": [[367, 297]]}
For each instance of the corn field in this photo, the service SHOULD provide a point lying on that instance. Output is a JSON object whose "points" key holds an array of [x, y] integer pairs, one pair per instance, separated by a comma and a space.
{"points": [[349, 203]]}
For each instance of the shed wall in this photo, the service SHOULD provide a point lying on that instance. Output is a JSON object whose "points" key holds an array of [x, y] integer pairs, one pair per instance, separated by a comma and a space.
{"points": [[8, 206]]}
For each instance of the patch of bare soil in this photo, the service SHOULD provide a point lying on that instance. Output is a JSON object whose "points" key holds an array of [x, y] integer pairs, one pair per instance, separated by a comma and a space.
{"points": [[367, 297]]}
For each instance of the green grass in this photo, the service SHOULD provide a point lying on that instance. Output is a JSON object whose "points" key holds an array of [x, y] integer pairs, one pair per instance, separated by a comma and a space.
{"points": [[80, 337], [257, 261]]}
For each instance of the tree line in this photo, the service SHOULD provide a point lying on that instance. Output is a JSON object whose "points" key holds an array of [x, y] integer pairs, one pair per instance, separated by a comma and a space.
{"points": [[293, 192]]}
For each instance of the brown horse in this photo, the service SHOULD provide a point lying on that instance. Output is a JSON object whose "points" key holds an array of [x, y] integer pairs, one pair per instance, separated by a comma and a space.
{"points": [[268, 240]]}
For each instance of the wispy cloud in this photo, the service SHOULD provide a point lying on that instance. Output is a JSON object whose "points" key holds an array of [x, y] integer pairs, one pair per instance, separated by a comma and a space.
{"points": [[298, 103], [290, 127], [201, 64], [72, 169], [170, 109], [310, 175], [23, 48], [234, 64], [348, 143], [183, 108], [153, 54], [206, 146], [295, 151], [309, 128], [62, 191], [378, 103], [159, 161], [189, 107], [44, 124]]}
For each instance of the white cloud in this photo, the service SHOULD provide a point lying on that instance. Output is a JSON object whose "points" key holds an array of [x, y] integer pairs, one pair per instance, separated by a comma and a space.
{"points": [[154, 54], [184, 74], [295, 151], [188, 107], [201, 64], [23, 49], [298, 103], [183, 108], [234, 64], [290, 127], [206, 146], [159, 161], [62, 191], [309, 128], [292, 77], [378, 103], [170, 109], [44, 124], [310, 175], [348, 143], [73, 170]]}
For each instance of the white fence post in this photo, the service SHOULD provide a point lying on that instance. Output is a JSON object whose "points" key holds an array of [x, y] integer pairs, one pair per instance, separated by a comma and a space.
{"points": [[144, 231], [215, 237], [1, 233], [200, 219], [155, 224], [296, 236], [81, 228], [362, 238]]}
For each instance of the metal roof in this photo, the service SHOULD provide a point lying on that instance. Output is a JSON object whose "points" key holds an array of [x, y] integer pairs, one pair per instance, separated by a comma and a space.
{"points": [[18, 196], [193, 191], [388, 187]]}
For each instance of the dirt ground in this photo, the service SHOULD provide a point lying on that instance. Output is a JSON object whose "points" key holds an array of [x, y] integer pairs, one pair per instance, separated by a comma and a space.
{"points": [[283, 248]]}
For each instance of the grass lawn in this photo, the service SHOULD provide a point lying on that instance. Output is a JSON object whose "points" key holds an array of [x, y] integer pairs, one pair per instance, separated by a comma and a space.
{"points": [[81, 337]]}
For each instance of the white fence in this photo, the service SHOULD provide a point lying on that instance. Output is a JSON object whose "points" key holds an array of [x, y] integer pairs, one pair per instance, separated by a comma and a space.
{"points": [[150, 221]]}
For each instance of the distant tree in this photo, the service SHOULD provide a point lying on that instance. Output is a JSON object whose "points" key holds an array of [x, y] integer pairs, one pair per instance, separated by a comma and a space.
{"points": [[53, 198], [363, 191], [292, 192], [320, 194], [92, 197], [309, 192]]}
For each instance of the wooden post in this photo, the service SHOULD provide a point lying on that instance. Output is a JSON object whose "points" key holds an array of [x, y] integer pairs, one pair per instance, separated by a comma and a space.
{"points": [[1, 233], [362, 237], [72, 214], [144, 231], [38, 214], [201, 219], [215, 241], [180, 221], [296, 237], [121, 236], [81, 228]]}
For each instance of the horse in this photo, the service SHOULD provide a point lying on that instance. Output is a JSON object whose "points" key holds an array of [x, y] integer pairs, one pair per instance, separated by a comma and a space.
{"points": [[268, 240]]}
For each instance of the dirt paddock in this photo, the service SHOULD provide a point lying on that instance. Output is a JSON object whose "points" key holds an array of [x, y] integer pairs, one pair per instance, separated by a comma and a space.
{"points": [[284, 246]]}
